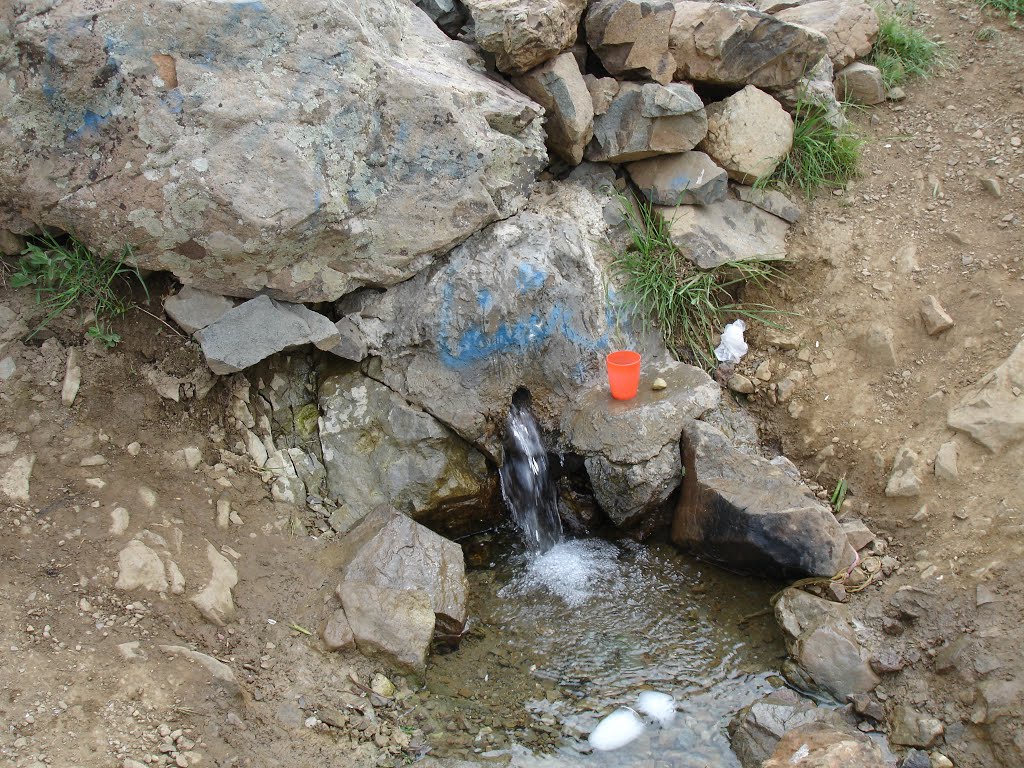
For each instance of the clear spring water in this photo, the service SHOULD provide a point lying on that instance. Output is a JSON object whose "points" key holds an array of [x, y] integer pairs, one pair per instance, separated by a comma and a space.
{"points": [[564, 637]]}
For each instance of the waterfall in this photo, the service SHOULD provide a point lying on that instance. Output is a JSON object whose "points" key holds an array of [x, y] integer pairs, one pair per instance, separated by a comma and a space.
{"points": [[526, 483]]}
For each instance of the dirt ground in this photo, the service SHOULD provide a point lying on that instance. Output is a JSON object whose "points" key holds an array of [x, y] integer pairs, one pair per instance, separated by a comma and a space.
{"points": [[74, 694]]}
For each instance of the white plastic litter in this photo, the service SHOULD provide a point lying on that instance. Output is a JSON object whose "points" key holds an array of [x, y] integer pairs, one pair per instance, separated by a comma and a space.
{"points": [[733, 347], [658, 706], [617, 730]]}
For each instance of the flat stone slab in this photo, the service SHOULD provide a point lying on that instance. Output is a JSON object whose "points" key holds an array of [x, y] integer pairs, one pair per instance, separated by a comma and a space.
{"points": [[259, 328], [770, 200], [731, 230], [193, 309], [689, 178], [993, 411]]}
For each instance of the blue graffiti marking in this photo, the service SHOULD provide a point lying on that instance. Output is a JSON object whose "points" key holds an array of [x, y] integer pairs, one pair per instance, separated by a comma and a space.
{"points": [[91, 124], [529, 278], [483, 298]]}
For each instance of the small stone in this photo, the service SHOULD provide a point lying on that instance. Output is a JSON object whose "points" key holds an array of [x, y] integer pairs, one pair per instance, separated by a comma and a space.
{"points": [[911, 729], [939, 760], [223, 512], [148, 496], [7, 368], [896, 94], [993, 186], [15, 482], [119, 520], [72, 380], [134, 449], [740, 383], [659, 384], [763, 371], [945, 462], [984, 595], [180, 761], [96, 460], [84, 605], [193, 309], [904, 479], [382, 686], [193, 457], [915, 758], [935, 318], [140, 567], [886, 662], [836, 592], [337, 633]]}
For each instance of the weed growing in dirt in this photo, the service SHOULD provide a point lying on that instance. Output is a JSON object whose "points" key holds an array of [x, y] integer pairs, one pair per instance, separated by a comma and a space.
{"points": [[822, 154], [64, 273], [986, 34], [688, 305], [1014, 9], [901, 51], [839, 495]]}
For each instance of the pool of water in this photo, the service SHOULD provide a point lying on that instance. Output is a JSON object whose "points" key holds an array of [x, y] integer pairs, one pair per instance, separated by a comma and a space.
{"points": [[559, 640]]}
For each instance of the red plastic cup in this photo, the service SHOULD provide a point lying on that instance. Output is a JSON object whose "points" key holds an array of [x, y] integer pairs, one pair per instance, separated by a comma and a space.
{"points": [[623, 374]]}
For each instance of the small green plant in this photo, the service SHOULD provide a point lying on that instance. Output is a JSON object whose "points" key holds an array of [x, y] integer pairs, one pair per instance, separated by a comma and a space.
{"points": [[822, 154], [65, 274], [687, 304], [839, 494], [986, 34], [901, 52], [1012, 8]]}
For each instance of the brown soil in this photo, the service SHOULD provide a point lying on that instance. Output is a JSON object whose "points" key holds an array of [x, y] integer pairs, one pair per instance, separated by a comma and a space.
{"points": [[73, 697]]}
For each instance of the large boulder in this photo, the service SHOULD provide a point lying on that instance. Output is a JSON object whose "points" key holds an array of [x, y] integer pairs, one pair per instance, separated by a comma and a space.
{"points": [[689, 178], [736, 45], [756, 729], [632, 37], [746, 512], [647, 119], [992, 411], [378, 449], [821, 640], [298, 149], [391, 550], [631, 447], [731, 230], [860, 83], [522, 34], [397, 624], [749, 134], [558, 86], [850, 26]]}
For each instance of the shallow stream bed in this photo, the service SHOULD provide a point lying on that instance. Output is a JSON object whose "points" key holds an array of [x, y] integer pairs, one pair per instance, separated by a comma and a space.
{"points": [[558, 641]]}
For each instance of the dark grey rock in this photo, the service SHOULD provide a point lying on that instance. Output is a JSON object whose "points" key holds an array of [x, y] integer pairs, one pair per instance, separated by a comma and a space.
{"points": [[449, 15], [689, 178], [731, 230], [770, 200], [748, 513], [558, 86], [632, 37], [192, 309]]}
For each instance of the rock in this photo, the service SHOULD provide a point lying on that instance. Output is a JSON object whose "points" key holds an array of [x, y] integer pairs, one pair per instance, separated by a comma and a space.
{"points": [[992, 411], [602, 92], [258, 329], [738, 46], [878, 342], [119, 520], [992, 185], [659, 384], [945, 462], [521, 304], [138, 567], [910, 729], [193, 457], [378, 449], [748, 134], [906, 259], [689, 178], [756, 729], [813, 94], [449, 15], [934, 316], [337, 633], [911, 602], [904, 480], [382, 686], [214, 601], [15, 482], [748, 513], [821, 640], [175, 578], [647, 119], [820, 745], [858, 534], [740, 383], [770, 200], [524, 33], [238, 170], [396, 623], [632, 37], [193, 309], [631, 448], [558, 86], [7, 367], [731, 230], [220, 671], [860, 83], [72, 379], [10, 243], [849, 25], [390, 550]]}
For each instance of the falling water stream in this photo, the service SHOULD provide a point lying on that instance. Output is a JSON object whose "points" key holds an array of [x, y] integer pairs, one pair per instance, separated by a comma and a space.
{"points": [[567, 630]]}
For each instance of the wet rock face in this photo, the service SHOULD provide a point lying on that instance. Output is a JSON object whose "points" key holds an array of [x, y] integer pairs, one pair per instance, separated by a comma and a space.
{"points": [[251, 147], [748, 513], [378, 449]]}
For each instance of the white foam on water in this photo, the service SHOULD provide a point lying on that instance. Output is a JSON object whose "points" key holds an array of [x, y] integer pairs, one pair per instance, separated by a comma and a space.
{"points": [[656, 705], [617, 730], [574, 571]]}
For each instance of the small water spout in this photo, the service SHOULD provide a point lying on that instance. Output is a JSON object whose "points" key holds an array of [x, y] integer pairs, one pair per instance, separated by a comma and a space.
{"points": [[526, 483]]}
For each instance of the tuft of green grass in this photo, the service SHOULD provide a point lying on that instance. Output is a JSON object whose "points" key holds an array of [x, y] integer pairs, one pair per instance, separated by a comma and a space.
{"points": [[64, 273], [822, 155], [1012, 8], [839, 495], [686, 304], [901, 52], [986, 34]]}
